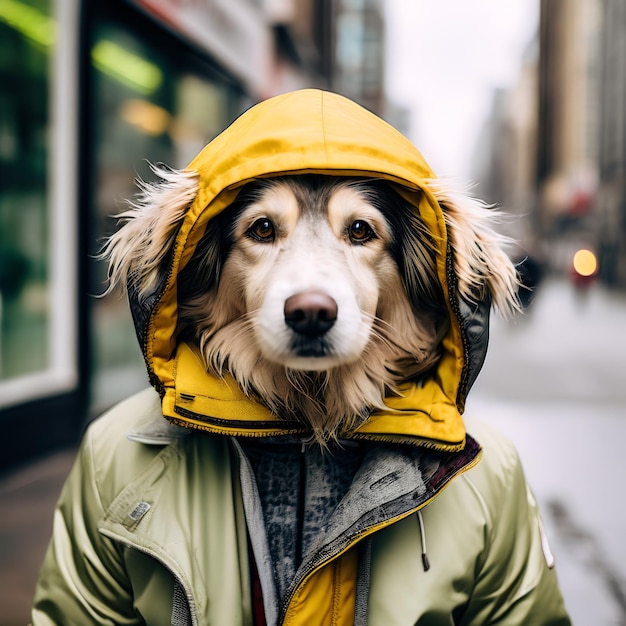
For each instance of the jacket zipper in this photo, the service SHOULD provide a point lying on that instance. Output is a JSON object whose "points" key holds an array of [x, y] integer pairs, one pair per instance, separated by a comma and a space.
{"points": [[213, 425], [286, 425], [324, 559], [196, 425], [317, 563]]}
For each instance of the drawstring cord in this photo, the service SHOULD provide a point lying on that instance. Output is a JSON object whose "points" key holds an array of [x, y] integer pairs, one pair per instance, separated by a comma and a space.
{"points": [[363, 576], [420, 523]]}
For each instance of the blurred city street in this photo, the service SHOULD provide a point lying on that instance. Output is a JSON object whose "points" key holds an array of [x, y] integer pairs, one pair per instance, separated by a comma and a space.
{"points": [[554, 381]]}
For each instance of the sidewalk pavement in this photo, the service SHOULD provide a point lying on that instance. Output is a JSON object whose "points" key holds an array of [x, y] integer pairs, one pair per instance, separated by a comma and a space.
{"points": [[27, 499]]}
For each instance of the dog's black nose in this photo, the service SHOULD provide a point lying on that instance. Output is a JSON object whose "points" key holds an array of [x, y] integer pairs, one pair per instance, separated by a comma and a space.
{"points": [[310, 313]]}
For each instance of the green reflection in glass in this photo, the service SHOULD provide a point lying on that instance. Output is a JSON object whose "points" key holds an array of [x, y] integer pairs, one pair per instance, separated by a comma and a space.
{"points": [[26, 34], [130, 69], [29, 20]]}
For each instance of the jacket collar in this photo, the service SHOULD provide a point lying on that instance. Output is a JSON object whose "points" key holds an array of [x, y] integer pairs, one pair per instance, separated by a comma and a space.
{"points": [[423, 415]]}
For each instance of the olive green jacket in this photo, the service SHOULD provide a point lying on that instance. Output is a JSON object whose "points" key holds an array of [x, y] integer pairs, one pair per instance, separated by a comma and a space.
{"points": [[150, 529]]}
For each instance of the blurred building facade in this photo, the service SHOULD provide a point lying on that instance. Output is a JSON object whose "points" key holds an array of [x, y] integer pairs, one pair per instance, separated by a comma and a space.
{"points": [[567, 142], [506, 153], [557, 139], [360, 52], [611, 197], [90, 91]]}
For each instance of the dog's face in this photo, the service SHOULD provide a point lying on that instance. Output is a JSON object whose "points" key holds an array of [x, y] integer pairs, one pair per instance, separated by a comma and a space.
{"points": [[311, 262], [312, 275]]}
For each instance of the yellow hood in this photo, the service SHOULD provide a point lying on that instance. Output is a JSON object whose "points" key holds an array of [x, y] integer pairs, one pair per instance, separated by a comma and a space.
{"points": [[303, 132]]}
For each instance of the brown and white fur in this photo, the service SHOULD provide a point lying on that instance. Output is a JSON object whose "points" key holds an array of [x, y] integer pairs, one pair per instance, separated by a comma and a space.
{"points": [[319, 294]]}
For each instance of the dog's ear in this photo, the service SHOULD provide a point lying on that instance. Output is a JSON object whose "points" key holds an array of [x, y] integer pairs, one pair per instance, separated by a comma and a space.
{"points": [[478, 251], [138, 249]]}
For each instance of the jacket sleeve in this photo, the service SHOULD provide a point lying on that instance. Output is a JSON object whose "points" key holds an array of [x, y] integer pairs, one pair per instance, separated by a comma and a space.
{"points": [[82, 580], [516, 582]]}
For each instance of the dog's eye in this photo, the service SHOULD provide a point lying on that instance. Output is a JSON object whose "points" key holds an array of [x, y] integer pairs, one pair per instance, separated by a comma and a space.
{"points": [[360, 232], [262, 230]]}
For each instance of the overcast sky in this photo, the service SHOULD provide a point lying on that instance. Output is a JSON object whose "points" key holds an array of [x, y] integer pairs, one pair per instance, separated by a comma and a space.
{"points": [[444, 59]]}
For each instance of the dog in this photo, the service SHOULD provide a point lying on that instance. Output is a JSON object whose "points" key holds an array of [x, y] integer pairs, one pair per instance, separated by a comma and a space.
{"points": [[319, 294]]}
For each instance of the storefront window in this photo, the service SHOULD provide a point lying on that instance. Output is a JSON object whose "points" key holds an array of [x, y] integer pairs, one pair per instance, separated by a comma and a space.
{"points": [[34, 315], [149, 107]]}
